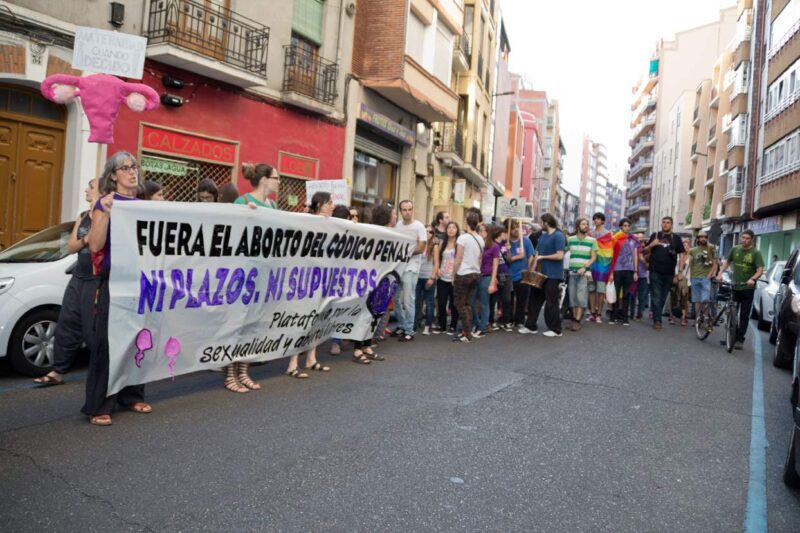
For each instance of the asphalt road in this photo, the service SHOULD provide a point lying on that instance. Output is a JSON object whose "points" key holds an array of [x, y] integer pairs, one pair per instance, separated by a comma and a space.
{"points": [[609, 429]]}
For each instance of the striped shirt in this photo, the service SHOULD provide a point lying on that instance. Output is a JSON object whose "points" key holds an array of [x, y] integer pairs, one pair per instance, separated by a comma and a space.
{"points": [[580, 251]]}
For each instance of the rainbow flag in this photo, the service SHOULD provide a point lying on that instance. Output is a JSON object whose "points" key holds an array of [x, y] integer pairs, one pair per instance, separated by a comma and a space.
{"points": [[605, 251]]}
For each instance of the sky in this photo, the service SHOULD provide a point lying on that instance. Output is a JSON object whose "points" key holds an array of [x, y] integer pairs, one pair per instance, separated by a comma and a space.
{"points": [[588, 55]]}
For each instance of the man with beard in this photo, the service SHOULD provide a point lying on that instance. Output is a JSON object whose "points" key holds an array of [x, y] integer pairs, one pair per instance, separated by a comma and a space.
{"points": [[550, 254], [666, 251], [582, 253]]}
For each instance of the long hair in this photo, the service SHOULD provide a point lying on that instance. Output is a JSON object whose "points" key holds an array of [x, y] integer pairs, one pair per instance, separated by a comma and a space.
{"points": [[147, 189], [550, 220], [319, 199], [253, 173], [447, 238], [208, 185], [112, 165], [228, 193]]}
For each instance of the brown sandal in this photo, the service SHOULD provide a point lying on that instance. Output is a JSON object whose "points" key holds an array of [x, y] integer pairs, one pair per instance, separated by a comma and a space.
{"points": [[319, 367], [100, 420], [244, 377], [140, 407], [48, 380], [231, 381], [372, 356], [295, 373], [359, 357]]}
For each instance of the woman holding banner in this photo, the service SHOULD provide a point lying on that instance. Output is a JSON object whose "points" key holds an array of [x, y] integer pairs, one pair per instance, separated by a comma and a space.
{"points": [[321, 204], [120, 181]]}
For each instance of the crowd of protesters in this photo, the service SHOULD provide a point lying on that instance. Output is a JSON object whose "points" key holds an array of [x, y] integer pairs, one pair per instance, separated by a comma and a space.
{"points": [[464, 282]]}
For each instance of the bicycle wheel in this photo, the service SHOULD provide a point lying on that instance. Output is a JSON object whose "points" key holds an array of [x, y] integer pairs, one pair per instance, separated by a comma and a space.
{"points": [[730, 328], [702, 326]]}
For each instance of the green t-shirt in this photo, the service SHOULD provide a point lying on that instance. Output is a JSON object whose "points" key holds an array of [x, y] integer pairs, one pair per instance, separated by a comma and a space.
{"points": [[703, 258], [745, 263], [580, 251], [248, 198]]}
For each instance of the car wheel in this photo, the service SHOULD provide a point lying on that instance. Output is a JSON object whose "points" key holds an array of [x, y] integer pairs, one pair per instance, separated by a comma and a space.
{"points": [[31, 346], [782, 356], [790, 474]]}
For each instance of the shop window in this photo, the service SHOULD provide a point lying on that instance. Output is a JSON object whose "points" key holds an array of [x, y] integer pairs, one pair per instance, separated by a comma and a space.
{"points": [[180, 176], [292, 194], [374, 180], [307, 19]]}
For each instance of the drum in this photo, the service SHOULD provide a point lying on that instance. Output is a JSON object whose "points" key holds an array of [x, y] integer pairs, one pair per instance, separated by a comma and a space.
{"points": [[534, 279]]}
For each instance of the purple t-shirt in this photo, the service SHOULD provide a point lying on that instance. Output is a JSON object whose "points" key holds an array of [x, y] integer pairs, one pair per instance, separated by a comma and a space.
{"points": [[628, 250], [502, 268], [101, 261], [489, 255]]}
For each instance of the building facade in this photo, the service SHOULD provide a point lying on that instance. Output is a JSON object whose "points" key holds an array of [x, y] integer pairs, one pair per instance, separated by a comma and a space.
{"points": [[594, 178]]}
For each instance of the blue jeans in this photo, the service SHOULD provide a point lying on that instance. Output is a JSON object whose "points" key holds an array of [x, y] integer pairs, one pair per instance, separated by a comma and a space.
{"points": [[660, 284], [404, 299], [483, 298], [424, 294]]}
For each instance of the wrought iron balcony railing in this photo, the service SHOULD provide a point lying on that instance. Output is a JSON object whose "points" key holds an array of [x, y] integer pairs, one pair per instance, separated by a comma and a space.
{"points": [[450, 139], [306, 73], [212, 31]]}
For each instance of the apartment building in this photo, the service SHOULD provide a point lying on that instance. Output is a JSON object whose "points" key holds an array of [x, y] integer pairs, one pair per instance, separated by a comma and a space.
{"points": [[675, 69], [771, 192], [593, 194], [615, 204], [570, 210], [252, 85], [506, 159], [554, 153]]}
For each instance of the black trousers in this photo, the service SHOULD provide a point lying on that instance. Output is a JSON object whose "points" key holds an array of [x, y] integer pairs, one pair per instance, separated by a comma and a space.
{"points": [[548, 296], [95, 305], [745, 299], [502, 298], [623, 281], [445, 297], [69, 329], [520, 297]]}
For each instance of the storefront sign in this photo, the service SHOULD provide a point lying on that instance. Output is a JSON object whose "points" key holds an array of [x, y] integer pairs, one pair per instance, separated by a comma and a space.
{"points": [[164, 141], [160, 165], [510, 208], [109, 52], [272, 283], [337, 188], [386, 125], [441, 190], [766, 225], [298, 166], [459, 192]]}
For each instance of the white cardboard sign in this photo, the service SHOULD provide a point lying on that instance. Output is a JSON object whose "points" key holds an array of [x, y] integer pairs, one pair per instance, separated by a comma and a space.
{"points": [[510, 207], [337, 188], [109, 52]]}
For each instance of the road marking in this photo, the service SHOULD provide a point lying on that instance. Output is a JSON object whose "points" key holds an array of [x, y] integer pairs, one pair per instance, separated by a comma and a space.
{"points": [[77, 376], [755, 518]]}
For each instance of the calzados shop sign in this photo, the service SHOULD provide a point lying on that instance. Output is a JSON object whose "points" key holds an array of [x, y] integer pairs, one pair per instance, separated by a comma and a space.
{"points": [[163, 141]]}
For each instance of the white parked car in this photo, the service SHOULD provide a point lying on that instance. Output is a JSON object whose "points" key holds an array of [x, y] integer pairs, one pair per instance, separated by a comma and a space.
{"points": [[764, 298], [33, 276]]}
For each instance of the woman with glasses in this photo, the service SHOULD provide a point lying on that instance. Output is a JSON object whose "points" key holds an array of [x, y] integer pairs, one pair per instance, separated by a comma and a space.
{"points": [[426, 282], [207, 191], [120, 182], [321, 204], [265, 182], [354, 214]]}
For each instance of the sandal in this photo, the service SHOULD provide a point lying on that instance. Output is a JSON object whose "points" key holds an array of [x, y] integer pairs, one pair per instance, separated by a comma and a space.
{"points": [[231, 381], [359, 357], [140, 407], [319, 368], [49, 380], [100, 420], [406, 338], [244, 377], [295, 373], [372, 356]]}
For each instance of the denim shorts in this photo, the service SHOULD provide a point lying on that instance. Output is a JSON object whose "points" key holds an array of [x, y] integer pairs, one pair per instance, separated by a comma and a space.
{"points": [[597, 286], [701, 290], [578, 290]]}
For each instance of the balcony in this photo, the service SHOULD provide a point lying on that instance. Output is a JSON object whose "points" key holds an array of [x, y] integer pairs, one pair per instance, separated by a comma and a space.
{"points": [[462, 53], [640, 185], [694, 153], [714, 104], [308, 79], [779, 172], [448, 143], [709, 176], [548, 162], [646, 142], [727, 123], [735, 187], [649, 122], [696, 116], [637, 207], [691, 186], [640, 165], [480, 64], [778, 45], [737, 136], [208, 40], [472, 169], [783, 105], [712, 136]]}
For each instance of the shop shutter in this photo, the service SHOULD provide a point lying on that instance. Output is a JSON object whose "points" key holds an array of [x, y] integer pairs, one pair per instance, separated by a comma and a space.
{"points": [[307, 19], [374, 149]]}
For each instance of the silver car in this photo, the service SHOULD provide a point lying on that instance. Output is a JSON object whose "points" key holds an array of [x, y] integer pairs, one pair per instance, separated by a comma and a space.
{"points": [[764, 298]]}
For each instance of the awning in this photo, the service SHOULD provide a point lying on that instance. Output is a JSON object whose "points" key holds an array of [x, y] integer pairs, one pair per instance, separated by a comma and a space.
{"points": [[399, 92]]}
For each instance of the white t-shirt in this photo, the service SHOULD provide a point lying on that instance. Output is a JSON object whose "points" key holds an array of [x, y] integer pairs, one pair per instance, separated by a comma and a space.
{"points": [[416, 230], [473, 253]]}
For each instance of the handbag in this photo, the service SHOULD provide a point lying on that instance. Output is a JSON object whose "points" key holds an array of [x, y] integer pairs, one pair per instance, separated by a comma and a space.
{"points": [[611, 292]]}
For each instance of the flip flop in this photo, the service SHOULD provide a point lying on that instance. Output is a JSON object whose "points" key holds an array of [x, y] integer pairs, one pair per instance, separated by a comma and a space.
{"points": [[140, 407], [319, 367], [48, 381], [295, 373], [100, 420]]}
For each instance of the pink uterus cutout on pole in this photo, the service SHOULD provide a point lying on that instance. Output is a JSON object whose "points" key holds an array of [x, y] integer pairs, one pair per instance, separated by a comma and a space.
{"points": [[171, 349], [144, 342]]}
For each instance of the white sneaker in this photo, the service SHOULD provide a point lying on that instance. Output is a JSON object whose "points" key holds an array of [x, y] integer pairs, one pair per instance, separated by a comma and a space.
{"points": [[426, 330], [525, 331], [477, 334], [549, 333], [336, 349]]}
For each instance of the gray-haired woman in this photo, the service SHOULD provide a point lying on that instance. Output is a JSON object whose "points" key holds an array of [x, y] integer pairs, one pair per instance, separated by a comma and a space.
{"points": [[121, 178]]}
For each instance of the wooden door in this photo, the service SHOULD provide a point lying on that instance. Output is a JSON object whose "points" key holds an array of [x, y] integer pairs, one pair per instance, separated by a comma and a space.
{"points": [[8, 161], [204, 29]]}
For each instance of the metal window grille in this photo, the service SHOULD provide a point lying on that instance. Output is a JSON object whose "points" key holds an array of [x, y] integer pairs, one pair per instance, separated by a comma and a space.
{"points": [[184, 188], [292, 194]]}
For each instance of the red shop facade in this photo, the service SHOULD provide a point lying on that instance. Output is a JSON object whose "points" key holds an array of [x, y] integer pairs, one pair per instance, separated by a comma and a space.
{"points": [[218, 128]]}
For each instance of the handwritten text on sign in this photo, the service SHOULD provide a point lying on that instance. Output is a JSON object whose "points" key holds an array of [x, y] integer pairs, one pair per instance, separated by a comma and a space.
{"points": [[195, 287], [109, 52]]}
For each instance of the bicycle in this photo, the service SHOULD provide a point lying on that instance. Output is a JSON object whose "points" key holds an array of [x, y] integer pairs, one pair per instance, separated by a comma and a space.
{"points": [[729, 314]]}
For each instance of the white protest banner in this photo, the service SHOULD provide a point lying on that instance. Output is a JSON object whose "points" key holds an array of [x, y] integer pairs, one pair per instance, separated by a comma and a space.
{"points": [[510, 207], [194, 287], [109, 52], [337, 188]]}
